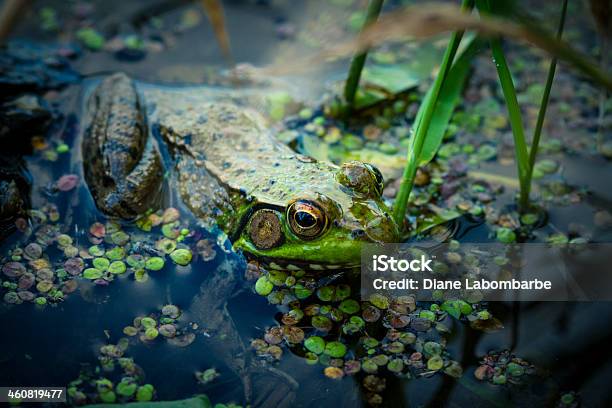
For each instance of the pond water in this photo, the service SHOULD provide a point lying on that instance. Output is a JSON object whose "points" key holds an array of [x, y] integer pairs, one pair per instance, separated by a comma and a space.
{"points": [[564, 344]]}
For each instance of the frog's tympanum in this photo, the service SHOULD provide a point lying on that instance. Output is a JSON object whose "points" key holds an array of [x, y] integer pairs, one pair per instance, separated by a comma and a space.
{"points": [[287, 210]]}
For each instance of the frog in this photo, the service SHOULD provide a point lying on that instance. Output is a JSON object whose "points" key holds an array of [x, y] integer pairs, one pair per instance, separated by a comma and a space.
{"points": [[282, 209], [285, 209]]}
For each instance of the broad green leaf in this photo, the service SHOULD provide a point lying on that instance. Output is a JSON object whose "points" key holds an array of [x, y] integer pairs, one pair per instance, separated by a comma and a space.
{"points": [[449, 97]]}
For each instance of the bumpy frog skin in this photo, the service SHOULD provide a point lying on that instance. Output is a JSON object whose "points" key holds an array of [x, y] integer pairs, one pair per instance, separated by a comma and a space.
{"points": [[284, 209]]}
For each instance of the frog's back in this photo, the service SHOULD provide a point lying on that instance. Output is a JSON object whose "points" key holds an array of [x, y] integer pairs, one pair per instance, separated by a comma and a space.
{"points": [[233, 145]]}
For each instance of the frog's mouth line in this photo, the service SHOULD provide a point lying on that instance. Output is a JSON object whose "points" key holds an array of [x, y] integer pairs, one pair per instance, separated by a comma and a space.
{"points": [[294, 265]]}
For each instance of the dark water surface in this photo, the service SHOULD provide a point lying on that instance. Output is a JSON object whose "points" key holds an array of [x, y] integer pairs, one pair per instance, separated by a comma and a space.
{"points": [[568, 342]]}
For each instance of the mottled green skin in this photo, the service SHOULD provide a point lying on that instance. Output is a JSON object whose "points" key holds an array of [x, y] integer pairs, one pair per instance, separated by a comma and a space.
{"points": [[122, 164], [228, 164]]}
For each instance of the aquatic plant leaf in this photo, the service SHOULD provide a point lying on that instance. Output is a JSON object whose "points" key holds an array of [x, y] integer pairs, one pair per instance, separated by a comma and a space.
{"points": [[448, 98]]}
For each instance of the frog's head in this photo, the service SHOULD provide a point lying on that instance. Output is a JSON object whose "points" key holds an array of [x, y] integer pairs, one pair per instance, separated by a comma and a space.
{"points": [[323, 225]]}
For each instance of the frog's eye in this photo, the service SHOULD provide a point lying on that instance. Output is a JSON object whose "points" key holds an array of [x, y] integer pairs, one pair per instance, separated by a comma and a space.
{"points": [[306, 219], [265, 229]]}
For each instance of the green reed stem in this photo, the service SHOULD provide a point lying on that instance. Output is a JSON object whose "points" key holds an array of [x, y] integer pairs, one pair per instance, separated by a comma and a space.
{"points": [[544, 104], [422, 126], [514, 111], [352, 81]]}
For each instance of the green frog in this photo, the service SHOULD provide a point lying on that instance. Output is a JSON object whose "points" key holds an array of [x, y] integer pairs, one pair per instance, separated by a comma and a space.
{"points": [[287, 210], [283, 209]]}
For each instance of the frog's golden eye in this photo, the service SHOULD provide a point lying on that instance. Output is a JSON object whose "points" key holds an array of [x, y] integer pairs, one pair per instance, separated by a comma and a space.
{"points": [[306, 219]]}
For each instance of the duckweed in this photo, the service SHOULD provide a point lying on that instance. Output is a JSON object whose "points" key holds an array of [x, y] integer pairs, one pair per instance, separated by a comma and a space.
{"points": [[117, 267], [315, 344], [96, 250], [151, 333], [435, 363], [115, 253], [148, 322], [263, 286], [101, 264], [145, 393], [349, 306], [181, 256], [154, 263], [171, 311], [126, 388], [92, 273], [335, 349], [136, 261]]}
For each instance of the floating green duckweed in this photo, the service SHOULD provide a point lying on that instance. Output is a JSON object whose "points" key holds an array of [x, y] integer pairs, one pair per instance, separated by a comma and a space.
{"points": [[380, 301], [427, 314], [120, 238], [263, 286], [92, 273], [108, 396], [145, 393], [151, 333], [154, 263], [326, 293], [349, 306], [343, 291], [515, 370], [41, 301], [170, 230], [117, 267], [207, 376], [101, 264], [166, 245], [136, 261], [380, 359], [181, 256], [322, 323], [167, 330], [335, 349], [506, 235], [315, 344], [499, 379], [301, 292], [431, 348], [435, 363], [96, 250], [354, 325], [369, 366], [130, 331], [454, 370], [147, 322], [396, 365], [277, 277], [116, 253], [44, 286], [171, 311], [140, 275], [126, 388]]}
